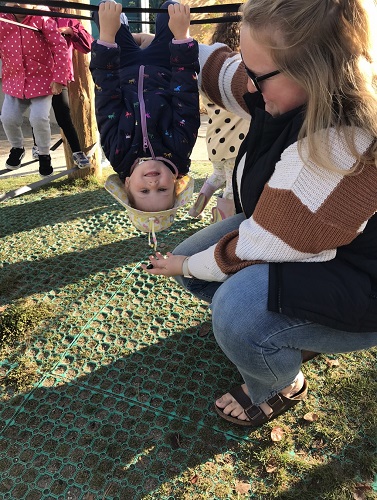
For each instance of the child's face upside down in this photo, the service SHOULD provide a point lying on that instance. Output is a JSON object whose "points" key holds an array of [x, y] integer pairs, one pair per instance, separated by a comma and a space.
{"points": [[152, 186]]}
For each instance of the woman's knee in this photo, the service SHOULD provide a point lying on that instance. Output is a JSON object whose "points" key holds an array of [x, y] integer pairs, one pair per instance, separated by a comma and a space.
{"points": [[239, 307]]}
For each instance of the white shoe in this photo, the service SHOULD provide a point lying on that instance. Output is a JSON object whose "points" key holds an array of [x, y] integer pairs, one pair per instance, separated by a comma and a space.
{"points": [[35, 152], [80, 159]]}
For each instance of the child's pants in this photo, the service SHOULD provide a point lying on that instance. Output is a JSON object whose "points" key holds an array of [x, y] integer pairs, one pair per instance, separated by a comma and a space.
{"points": [[12, 118], [60, 105], [222, 174]]}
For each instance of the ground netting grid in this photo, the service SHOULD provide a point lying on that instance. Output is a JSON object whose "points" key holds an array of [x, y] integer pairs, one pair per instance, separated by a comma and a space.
{"points": [[126, 405]]}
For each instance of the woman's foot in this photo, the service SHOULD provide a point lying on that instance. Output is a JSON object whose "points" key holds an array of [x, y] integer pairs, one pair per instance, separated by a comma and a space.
{"points": [[230, 406]]}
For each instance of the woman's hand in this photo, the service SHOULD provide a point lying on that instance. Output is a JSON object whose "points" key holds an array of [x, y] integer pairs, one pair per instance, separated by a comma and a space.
{"points": [[169, 265]]}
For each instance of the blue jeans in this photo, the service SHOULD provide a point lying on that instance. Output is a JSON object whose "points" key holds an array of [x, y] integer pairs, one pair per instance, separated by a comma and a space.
{"points": [[265, 346]]}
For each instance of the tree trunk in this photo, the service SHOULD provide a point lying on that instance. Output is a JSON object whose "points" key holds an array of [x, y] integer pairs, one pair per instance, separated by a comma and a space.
{"points": [[81, 95]]}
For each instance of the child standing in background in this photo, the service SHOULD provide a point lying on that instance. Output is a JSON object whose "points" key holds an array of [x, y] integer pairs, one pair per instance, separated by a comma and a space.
{"points": [[35, 64], [147, 103], [224, 135], [79, 39]]}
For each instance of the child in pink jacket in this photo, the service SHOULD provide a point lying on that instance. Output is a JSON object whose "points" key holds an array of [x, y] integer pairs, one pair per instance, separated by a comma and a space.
{"points": [[35, 67], [79, 39]]}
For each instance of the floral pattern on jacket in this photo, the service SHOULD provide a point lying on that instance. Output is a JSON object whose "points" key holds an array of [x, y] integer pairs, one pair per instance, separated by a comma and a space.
{"points": [[32, 60], [171, 107]]}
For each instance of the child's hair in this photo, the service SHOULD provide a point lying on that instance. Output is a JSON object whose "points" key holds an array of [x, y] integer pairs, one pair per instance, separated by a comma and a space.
{"points": [[228, 33], [131, 199]]}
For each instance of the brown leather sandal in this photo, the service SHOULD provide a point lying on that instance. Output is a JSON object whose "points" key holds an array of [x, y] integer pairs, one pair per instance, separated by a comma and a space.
{"points": [[279, 404]]}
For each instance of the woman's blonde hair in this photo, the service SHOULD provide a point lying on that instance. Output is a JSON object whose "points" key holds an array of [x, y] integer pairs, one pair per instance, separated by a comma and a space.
{"points": [[327, 47]]}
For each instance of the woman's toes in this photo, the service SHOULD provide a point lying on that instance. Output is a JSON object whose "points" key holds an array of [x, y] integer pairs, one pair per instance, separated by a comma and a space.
{"points": [[231, 407], [224, 400]]}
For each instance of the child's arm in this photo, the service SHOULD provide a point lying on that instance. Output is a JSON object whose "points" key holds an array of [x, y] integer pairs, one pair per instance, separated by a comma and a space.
{"points": [[109, 21], [111, 107], [59, 51], [184, 60], [78, 36], [179, 20]]}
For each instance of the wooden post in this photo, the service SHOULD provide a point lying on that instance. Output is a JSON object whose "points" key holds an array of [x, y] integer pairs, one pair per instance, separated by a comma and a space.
{"points": [[81, 95]]}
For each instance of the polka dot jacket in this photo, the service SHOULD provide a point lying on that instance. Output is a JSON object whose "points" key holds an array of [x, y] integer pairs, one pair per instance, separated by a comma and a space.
{"points": [[32, 60], [225, 132]]}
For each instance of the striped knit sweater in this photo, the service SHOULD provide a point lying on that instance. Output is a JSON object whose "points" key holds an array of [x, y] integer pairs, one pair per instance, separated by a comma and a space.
{"points": [[304, 213]]}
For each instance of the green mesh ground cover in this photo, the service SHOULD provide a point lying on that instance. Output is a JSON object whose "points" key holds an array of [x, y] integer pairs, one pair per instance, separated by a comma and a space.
{"points": [[122, 406]]}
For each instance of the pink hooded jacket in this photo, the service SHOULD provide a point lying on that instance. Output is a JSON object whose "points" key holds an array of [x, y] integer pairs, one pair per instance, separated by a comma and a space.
{"points": [[32, 60], [81, 40]]}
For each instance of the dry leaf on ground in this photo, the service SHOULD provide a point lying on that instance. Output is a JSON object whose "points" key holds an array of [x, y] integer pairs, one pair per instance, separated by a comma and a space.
{"points": [[242, 488], [271, 466], [311, 417], [277, 434], [331, 363], [204, 329]]}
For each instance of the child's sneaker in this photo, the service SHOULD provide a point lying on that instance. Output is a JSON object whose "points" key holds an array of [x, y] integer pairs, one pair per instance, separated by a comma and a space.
{"points": [[14, 160], [45, 168], [80, 159], [203, 198], [35, 152]]}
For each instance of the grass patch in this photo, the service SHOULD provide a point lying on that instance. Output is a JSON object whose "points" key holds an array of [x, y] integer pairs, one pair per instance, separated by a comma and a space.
{"points": [[19, 323], [73, 299]]}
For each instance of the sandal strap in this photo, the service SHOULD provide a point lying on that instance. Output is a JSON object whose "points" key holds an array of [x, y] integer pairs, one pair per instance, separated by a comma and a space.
{"points": [[278, 403], [253, 412]]}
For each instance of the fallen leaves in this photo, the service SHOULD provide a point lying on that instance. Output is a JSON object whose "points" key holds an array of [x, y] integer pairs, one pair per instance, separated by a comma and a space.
{"points": [[242, 488], [271, 466], [311, 417], [277, 434], [332, 363], [204, 329], [360, 491]]}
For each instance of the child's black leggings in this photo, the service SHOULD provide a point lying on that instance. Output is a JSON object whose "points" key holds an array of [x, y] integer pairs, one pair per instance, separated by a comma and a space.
{"points": [[60, 105]]}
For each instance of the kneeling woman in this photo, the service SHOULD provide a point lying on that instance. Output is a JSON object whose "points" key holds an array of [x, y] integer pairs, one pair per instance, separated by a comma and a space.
{"points": [[295, 271]]}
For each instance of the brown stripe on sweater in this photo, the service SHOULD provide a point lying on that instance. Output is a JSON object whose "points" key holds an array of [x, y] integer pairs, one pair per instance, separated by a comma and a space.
{"points": [[210, 78], [225, 254], [239, 86], [334, 224]]}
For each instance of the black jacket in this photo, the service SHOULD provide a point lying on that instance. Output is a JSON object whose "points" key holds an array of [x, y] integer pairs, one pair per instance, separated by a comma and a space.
{"points": [[340, 293]]}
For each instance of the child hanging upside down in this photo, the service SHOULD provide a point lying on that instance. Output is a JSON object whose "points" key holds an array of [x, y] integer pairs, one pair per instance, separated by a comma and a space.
{"points": [[147, 103]]}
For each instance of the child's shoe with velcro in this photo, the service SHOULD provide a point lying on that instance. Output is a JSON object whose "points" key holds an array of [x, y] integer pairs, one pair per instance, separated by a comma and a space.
{"points": [[80, 159], [35, 152], [14, 160], [45, 168]]}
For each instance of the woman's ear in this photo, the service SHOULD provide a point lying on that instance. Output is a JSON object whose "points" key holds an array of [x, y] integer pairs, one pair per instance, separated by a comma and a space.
{"points": [[127, 182]]}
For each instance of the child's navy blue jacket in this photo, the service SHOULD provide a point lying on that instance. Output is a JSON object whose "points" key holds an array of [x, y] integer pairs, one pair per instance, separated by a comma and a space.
{"points": [[171, 107]]}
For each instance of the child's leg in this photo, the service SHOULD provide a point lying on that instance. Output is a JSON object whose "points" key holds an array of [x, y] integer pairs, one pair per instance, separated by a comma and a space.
{"points": [[158, 53], [214, 182], [40, 121], [225, 204], [228, 170], [217, 179], [12, 118], [60, 105]]}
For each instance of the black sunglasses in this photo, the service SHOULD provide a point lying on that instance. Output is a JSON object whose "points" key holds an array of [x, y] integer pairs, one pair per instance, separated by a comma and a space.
{"points": [[257, 79]]}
